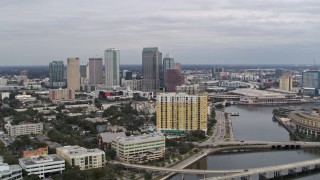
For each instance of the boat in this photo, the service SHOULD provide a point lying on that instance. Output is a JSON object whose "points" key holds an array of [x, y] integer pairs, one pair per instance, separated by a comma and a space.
{"points": [[234, 114]]}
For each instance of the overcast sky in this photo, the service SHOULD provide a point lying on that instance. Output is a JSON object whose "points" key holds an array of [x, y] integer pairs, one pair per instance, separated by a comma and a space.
{"points": [[35, 32]]}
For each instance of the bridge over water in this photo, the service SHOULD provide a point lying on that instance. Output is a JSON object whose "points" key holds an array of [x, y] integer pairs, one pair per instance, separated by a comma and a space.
{"points": [[243, 174], [273, 171]]}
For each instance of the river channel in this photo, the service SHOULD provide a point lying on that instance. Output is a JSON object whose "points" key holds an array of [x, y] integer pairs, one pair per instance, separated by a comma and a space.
{"points": [[255, 123]]}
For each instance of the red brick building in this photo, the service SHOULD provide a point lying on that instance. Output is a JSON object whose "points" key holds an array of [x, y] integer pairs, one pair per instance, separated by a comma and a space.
{"points": [[174, 78]]}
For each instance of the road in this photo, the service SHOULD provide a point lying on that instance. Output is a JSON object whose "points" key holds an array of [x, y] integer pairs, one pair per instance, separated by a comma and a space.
{"points": [[179, 170], [219, 130], [217, 137]]}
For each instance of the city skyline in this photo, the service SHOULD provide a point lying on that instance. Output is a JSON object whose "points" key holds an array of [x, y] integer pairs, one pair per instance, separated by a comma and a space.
{"points": [[221, 32], [112, 67]]}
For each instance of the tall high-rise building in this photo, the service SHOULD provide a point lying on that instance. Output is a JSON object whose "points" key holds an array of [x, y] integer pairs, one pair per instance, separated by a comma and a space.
{"points": [[168, 63], [73, 74], [56, 74], [95, 70], [174, 78], [311, 79], [83, 70], [151, 69], [278, 73], [112, 69], [177, 66], [181, 112], [216, 72], [285, 83]]}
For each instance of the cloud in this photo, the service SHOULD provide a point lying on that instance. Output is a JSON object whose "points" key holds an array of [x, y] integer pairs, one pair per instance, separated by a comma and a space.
{"points": [[45, 30]]}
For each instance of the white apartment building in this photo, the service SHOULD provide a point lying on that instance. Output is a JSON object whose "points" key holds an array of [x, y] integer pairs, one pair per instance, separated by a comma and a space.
{"points": [[23, 129], [82, 157], [10, 172], [43, 166], [138, 149], [25, 98], [4, 95]]}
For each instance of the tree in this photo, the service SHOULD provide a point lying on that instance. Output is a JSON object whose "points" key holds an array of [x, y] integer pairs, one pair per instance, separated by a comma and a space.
{"points": [[13, 94], [132, 176], [197, 135], [111, 111], [32, 177], [183, 148], [111, 153], [154, 118], [60, 107], [97, 103], [219, 106], [15, 104], [147, 176], [213, 113]]}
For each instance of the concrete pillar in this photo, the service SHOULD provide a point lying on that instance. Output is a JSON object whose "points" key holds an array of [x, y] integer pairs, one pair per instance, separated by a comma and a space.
{"points": [[277, 173], [292, 171], [182, 176], [263, 176], [306, 168], [245, 178]]}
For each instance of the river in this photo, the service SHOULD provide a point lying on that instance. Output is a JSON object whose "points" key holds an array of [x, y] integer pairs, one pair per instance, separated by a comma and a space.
{"points": [[255, 123]]}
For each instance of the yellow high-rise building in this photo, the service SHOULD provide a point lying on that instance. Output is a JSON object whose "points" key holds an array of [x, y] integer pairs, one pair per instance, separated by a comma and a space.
{"points": [[285, 83], [73, 74], [180, 111]]}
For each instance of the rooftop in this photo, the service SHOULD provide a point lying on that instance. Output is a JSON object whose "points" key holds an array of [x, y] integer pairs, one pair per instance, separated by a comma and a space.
{"points": [[40, 159], [150, 49], [257, 93], [52, 145], [77, 150], [141, 138], [5, 168], [108, 136]]}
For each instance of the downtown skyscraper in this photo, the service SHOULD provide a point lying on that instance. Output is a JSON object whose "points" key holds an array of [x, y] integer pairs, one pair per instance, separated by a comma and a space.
{"points": [[73, 74], [56, 74], [112, 67], [95, 70], [168, 63], [151, 69]]}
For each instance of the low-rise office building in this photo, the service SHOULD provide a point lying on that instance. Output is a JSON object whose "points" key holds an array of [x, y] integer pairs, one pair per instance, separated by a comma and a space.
{"points": [[139, 149], [82, 157], [43, 166], [105, 139], [24, 129], [10, 172], [25, 98], [35, 152]]}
